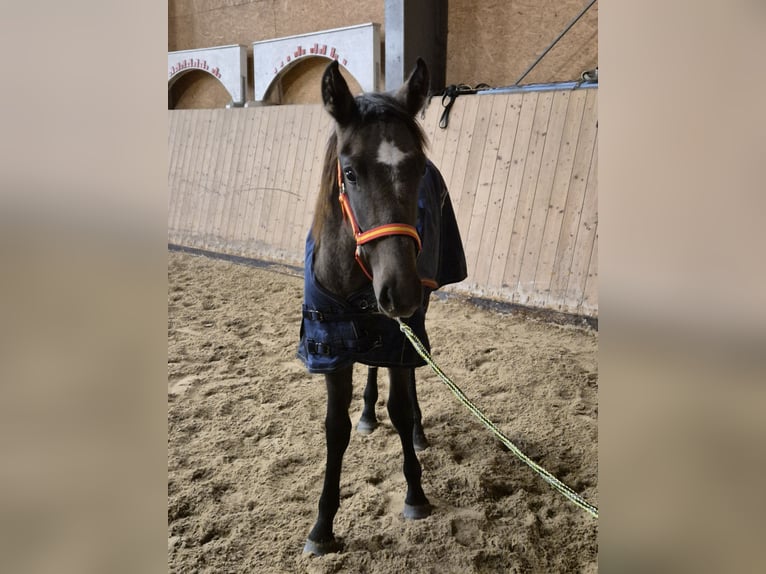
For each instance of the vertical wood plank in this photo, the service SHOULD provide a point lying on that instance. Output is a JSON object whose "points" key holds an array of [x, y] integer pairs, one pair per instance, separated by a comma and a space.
{"points": [[288, 204], [201, 172], [293, 175], [275, 192], [263, 167], [305, 167], [523, 211], [584, 243], [175, 177], [435, 135], [473, 170], [558, 199], [198, 173], [533, 240], [589, 304], [184, 200], [287, 193], [483, 187], [271, 168], [173, 121], [573, 207], [299, 177], [242, 149], [233, 142], [454, 175], [238, 182], [483, 229], [241, 203], [253, 174], [514, 162], [217, 190], [452, 139], [212, 186]]}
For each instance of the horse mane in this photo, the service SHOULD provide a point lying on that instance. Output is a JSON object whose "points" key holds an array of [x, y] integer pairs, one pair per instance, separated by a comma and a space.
{"points": [[328, 187], [371, 108]]}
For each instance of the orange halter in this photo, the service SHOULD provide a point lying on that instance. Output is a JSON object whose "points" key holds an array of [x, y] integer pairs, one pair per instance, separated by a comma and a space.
{"points": [[363, 237]]}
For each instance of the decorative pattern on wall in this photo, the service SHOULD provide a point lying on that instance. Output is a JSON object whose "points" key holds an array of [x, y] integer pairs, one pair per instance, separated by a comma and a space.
{"points": [[226, 63], [357, 48]]}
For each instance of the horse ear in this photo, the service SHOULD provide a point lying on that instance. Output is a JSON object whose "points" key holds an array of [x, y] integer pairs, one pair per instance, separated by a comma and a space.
{"points": [[414, 91], [336, 96]]}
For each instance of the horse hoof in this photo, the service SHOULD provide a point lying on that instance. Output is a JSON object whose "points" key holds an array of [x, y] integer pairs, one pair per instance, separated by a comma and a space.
{"points": [[420, 441], [417, 512], [321, 548], [366, 427]]}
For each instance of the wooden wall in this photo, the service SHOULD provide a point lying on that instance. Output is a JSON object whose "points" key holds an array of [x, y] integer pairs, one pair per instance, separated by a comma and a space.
{"points": [[244, 181], [521, 169]]}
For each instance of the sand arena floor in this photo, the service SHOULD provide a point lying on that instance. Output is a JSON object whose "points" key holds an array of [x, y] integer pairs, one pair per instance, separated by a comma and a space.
{"points": [[246, 440]]}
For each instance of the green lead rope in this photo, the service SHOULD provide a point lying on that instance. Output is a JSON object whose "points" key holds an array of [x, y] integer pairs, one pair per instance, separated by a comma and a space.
{"points": [[546, 476]]}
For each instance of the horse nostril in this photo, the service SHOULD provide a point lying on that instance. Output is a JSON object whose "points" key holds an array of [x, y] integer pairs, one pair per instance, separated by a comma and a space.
{"points": [[397, 302], [385, 301]]}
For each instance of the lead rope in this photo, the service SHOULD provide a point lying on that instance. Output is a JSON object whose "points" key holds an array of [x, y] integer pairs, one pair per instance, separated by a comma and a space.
{"points": [[546, 476]]}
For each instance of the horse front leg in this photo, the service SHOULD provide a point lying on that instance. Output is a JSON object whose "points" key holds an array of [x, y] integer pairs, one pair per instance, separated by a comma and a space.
{"points": [[416, 504], [321, 539], [368, 422], [418, 434]]}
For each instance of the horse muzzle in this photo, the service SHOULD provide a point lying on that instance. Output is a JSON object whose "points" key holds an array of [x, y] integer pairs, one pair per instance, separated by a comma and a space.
{"points": [[396, 300], [397, 285]]}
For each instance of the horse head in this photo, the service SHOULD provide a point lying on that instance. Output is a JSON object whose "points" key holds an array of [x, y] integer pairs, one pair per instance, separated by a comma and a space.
{"points": [[379, 160]]}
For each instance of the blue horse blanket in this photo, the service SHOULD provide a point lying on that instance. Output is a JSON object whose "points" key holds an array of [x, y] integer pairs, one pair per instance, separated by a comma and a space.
{"points": [[337, 332]]}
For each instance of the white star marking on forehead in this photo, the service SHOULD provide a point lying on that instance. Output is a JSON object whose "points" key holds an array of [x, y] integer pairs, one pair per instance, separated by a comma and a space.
{"points": [[389, 154]]}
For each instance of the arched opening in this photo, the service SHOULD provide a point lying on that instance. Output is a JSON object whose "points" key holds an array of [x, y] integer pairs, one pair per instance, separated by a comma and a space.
{"points": [[196, 89], [301, 83]]}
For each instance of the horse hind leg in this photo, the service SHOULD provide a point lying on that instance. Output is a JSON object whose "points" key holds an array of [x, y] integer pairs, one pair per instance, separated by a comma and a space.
{"points": [[321, 539], [418, 434], [368, 422], [416, 504]]}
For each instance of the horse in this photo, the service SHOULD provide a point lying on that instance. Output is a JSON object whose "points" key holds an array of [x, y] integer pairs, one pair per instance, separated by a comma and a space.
{"points": [[358, 283]]}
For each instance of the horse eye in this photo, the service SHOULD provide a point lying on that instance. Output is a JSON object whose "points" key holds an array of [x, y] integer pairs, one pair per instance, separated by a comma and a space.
{"points": [[349, 175]]}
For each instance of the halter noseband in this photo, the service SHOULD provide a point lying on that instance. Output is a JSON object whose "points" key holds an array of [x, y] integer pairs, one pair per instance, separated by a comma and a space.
{"points": [[363, 237]]}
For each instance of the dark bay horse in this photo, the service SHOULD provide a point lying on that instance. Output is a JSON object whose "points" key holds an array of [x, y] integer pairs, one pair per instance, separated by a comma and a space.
{"points": [[362, 269]]}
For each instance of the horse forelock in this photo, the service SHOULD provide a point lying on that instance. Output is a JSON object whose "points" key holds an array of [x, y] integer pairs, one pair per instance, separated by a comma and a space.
{"points": [[386, 108]]}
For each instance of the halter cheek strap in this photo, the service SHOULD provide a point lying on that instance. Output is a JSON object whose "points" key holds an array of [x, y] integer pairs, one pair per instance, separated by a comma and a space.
{"points": [[363, 237]]}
